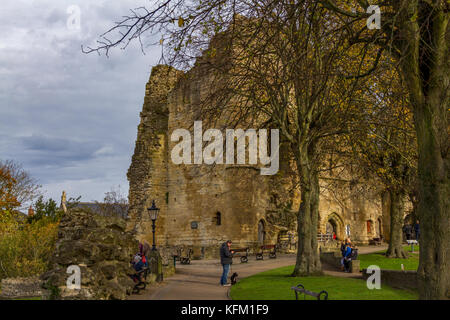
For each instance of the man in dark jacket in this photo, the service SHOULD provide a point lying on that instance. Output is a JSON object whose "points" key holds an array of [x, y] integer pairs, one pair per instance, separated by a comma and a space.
{"points": [[417, 230], [226, 258], [408, 231]]}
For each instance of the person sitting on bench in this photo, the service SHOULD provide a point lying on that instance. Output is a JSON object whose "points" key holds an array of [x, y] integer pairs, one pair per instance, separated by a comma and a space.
{"points": [[347, 257], [138, 265], [344, 245]]}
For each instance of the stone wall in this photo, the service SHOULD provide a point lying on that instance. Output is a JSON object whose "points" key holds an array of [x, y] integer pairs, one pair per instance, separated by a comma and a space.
{"points": [[103, 251], [16, 288], [191, 196], [333, 258], [148, 170], [348, 205], [397, 278]]}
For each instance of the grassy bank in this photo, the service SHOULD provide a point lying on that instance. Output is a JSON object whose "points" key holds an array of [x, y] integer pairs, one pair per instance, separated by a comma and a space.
{"points": [[276, 285], [379, 259]]}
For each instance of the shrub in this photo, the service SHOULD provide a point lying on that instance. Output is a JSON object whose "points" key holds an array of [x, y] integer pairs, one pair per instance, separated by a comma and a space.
{"points": [[25, 248]]}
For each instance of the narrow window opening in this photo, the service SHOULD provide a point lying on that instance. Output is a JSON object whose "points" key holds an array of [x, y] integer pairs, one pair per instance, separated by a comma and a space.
{"points": [[218, 219]]}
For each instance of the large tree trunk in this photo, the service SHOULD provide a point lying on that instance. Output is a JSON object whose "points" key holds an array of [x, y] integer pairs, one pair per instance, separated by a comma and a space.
{"points": [[308, 259], [433, 207], [425, 69], [395, 249]]}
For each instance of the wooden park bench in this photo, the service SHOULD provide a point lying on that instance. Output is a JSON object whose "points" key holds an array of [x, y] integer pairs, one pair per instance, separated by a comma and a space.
{"points": [[183, 259], [187, 258], [375, 242], [242, 253], [301, 289], [271, 248]]}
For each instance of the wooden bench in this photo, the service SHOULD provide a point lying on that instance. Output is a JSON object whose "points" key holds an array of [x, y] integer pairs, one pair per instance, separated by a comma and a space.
{"points": [[242, 253], [187, 258], [301, 289], [375, 242], [178, 254], [271, 248]]}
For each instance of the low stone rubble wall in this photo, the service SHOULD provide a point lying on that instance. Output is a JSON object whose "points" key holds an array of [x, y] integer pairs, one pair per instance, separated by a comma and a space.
{"points": [[15, 288], [102, 250], [333, 258], [396, 278]]}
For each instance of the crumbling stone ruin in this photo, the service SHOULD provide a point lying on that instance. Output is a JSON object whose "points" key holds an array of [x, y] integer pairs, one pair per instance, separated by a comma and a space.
{"points": [[103, 251], [204, 205]]}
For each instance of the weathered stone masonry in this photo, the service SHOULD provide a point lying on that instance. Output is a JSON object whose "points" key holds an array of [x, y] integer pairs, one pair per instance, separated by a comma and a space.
{"points": [[251, 208]]}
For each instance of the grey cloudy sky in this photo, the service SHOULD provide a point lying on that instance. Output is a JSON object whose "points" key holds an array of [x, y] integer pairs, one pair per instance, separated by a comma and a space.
{"points": [[69, 118]]}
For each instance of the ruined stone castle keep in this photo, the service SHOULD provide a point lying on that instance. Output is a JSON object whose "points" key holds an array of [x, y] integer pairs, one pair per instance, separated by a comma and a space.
{"points": [[204, 205]]}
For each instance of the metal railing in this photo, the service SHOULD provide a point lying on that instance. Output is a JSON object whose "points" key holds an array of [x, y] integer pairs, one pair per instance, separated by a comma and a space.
{"points": [[324, 237]]}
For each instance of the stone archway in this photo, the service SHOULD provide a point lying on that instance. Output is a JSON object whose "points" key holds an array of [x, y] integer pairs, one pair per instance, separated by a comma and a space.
{"points": [[331, 227], [261, 232], [379, 228], [335, 224], [370, 228]]}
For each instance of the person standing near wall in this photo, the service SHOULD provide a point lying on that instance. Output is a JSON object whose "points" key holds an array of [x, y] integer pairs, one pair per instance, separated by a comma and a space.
{"points": [[226, 259]]}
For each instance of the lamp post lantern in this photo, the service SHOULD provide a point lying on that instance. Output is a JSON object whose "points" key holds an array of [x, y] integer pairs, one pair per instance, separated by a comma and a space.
{"points": [[153, 213]]}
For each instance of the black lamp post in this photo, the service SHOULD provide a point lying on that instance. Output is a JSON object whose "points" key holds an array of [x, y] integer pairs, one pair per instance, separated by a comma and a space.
{"points": [[153, 213]]}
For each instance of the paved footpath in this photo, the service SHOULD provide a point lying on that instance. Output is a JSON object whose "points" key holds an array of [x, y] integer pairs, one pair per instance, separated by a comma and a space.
{"points": [[200, 279]]}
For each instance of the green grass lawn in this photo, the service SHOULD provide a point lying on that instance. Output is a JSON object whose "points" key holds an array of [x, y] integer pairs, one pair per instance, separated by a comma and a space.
{"points": [[378, 258], [276, 285]]}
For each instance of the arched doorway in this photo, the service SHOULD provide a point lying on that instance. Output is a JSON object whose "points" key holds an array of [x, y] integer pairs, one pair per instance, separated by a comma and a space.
{"points": [[261, 232], [369, 224], [379, 228], [331, 227], [409, 219], [335, 225]]}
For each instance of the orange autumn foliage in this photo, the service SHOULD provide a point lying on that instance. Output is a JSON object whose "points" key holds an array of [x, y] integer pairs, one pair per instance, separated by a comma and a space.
{"points": [[7, 199]]}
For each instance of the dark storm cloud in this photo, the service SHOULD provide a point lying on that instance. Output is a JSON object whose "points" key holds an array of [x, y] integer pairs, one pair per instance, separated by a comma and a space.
{"points": [[68, 117], [61, 151]]}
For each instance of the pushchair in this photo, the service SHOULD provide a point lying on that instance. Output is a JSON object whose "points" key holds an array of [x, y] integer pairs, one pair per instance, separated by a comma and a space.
{"points": [[141, 267]]}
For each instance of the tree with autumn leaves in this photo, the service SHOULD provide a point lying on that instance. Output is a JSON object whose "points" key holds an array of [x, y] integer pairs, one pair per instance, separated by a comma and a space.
{"points": [[25, 244], [8, 201]]}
